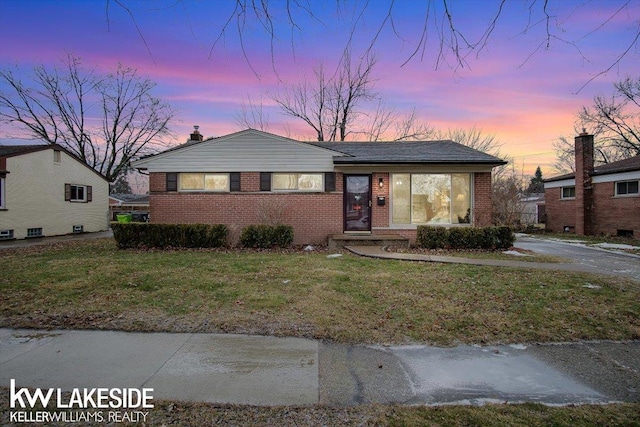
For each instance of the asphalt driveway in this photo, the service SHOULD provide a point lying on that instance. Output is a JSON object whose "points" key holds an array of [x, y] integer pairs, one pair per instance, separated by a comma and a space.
{"points": [[594, 259]]}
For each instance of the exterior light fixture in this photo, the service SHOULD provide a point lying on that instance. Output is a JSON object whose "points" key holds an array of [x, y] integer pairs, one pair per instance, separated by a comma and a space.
{"points": [[381, 182]]}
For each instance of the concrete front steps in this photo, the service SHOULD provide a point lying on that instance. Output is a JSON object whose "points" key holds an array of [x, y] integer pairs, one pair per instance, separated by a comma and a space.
{"points": [[337, 241]]}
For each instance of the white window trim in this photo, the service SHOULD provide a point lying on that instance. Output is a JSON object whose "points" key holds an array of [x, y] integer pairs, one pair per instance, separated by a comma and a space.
{"points": [[84, 192], [204, 190], [615, 189], [297, 190], [562, 192], [414, 225]]}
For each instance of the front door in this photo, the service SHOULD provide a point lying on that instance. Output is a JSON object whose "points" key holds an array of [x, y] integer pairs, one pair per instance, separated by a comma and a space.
{"points": [[357, 203]]}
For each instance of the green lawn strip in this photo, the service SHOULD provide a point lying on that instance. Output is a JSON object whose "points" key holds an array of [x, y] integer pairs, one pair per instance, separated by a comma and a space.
{"points": [[507, 415], [348, 299]]}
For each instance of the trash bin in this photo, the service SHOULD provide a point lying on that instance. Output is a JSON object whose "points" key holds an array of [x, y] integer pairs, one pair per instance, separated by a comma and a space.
{"points": [[124, 217]]}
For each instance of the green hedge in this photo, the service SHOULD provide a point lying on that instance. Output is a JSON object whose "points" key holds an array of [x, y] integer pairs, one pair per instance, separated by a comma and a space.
{"points": [[144, 235], [465, 237], [266, 236]]}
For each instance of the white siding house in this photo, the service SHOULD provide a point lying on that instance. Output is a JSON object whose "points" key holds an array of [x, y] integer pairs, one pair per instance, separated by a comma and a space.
{"points": [[46, 191]]}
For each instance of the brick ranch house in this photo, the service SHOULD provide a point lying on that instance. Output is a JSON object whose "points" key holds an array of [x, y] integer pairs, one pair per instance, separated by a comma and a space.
{"points": [[602, 200], [320, 189]]}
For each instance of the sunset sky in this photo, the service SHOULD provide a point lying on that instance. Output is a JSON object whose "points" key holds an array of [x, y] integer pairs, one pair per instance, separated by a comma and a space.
{"points": [[527, 97]]}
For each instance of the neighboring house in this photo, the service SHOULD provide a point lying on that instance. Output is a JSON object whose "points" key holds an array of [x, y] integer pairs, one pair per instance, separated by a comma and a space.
{"points": [[136, 204], [47, 191], [250, 177], [533, 209], [603, 200]]}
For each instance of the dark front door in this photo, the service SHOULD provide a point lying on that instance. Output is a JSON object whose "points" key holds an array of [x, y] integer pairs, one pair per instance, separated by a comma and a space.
{"points": [[357, 203]]}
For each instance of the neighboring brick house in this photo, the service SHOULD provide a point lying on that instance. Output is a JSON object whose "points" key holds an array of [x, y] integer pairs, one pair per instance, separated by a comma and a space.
{"points": [[604, 200], [47, 191], [320, 189]]}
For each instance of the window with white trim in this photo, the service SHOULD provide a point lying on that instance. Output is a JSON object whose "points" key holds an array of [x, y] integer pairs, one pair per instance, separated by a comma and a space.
{"points": [[297, 182], [431, 198], [203, 182], [78, 193], [627, 188], [568, 192]]}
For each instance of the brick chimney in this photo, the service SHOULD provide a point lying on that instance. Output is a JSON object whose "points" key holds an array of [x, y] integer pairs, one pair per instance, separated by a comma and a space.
{"points": [[584, 193], [195, 136]]}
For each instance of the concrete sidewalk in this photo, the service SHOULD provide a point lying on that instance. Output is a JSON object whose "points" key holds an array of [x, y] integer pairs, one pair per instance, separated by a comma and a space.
{"points": [[261, 370], [380, 252]]}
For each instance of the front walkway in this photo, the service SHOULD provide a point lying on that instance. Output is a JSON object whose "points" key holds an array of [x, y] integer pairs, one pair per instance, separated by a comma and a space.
{"points": [[380, 252]]}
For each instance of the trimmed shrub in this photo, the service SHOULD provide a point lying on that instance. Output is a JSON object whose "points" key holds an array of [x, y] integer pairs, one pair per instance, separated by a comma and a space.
{"points": [[465, 238], [145, 235], [431, 237], [266, 236]]}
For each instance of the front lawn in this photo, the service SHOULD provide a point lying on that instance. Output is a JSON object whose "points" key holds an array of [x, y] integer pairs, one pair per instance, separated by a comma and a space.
{"points": [[92, 284]]}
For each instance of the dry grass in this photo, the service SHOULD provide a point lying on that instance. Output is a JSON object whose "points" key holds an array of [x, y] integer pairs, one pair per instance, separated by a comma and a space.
{"points": [[92, 284], [200, 414]]}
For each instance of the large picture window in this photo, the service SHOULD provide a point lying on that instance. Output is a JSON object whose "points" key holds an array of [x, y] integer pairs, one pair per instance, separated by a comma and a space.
{"points": [[296, 182], [203, 182], [431, 198]]}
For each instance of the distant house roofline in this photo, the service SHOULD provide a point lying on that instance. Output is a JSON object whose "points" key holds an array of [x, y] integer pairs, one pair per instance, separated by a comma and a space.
{"points": [[19, 150]]}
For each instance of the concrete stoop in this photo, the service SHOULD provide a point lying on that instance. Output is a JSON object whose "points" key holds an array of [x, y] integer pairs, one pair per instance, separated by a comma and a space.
{"points": [[337, 241]]}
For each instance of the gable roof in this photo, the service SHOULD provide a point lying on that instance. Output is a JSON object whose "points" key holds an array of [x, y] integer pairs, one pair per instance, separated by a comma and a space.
{"points": [[19, 150], [245, 151], [16, 150], [409, 152], [625, 165], [341, 153]]}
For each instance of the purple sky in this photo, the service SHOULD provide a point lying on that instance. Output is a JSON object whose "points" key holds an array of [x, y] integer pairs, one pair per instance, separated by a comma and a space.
{"points": [[526, 98]]}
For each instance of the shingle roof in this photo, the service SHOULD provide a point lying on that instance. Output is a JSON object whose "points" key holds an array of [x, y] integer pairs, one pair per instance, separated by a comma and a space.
{"points": [[12, 150], [408, 152], [630, 164]]}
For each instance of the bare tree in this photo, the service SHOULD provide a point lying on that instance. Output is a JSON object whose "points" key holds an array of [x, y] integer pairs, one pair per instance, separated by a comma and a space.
{"points": [[252, 115], [442, 37], [507, 204], [330, 104], [614, 122], [474, 138], [387, 123], [105, 120]]}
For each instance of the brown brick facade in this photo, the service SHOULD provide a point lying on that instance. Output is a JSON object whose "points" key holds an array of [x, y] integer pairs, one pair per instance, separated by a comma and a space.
{"points": [[595, 210], [314, 216], [482, 206], [611, 214], [560, 213]]}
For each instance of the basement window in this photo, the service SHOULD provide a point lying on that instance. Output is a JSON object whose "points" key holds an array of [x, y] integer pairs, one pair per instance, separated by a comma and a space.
{"points": [[6, 234], [34, 232]]}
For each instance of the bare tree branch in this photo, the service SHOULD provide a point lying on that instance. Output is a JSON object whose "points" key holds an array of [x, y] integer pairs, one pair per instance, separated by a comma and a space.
{"points": [[58, 106]]}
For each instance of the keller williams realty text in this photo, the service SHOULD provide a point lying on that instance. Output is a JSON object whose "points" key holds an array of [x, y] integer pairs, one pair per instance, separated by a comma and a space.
{"points": [[123, 404], [77, 417]]}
